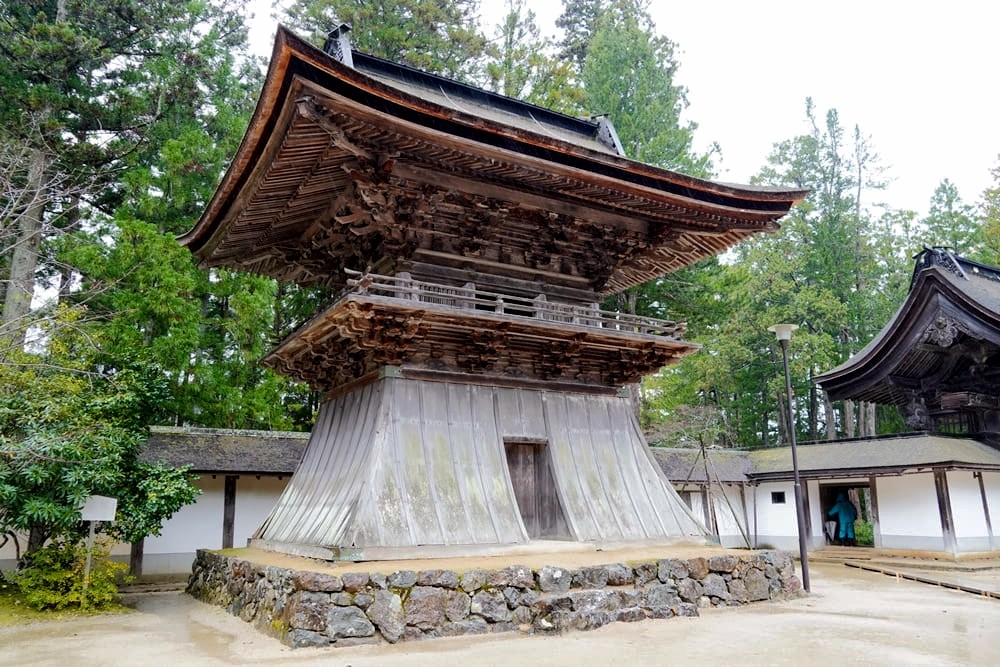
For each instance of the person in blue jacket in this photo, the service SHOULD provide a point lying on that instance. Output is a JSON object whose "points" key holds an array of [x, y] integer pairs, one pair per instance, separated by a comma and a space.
{"points": [[846, 514]]}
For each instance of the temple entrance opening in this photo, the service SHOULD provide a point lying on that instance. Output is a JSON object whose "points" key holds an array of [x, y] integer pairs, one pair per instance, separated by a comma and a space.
{"points": [[839, 502], [531, 474]]}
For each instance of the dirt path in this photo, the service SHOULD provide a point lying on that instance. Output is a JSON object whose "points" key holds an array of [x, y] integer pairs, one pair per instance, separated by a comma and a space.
{"points": [[853, 617]]}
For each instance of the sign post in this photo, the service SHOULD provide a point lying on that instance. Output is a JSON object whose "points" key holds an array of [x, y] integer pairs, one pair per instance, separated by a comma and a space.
{"points": [[96, 508]]}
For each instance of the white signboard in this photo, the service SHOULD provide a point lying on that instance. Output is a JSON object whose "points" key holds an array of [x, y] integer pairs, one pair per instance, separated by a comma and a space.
{"points": [[99, 508]]}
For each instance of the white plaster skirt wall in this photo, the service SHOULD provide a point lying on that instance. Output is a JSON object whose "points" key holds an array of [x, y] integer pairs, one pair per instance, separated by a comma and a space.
{"points": [[908, 512], [730, 516], [199, 526], [967, 511], [196, 526], [777, 523]]}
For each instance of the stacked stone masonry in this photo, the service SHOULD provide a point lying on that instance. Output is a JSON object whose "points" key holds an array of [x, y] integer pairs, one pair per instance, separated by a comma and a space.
{"points": [[305, 608]]}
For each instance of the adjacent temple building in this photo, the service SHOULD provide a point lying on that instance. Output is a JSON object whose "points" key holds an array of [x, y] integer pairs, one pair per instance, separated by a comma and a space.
{"points": [[473, 387], [938, 359]]}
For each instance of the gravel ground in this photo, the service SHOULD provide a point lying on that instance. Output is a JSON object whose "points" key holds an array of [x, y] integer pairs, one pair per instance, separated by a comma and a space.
{"points": [[852, 617]]}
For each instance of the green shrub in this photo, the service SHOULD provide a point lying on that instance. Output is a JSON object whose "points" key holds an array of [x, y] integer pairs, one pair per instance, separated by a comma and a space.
{"points": [[53, 576], [864, 534]]}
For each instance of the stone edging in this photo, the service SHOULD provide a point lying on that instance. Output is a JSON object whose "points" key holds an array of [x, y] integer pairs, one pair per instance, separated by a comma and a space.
{"points": [[304, 608]]}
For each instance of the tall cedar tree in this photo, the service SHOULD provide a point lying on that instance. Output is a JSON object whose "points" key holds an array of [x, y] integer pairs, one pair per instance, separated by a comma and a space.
{"points": [[521, 64], [951, 222], [646, 108]]}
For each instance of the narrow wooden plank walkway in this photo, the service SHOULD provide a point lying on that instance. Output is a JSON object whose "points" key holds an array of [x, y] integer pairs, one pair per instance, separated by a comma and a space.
{"points": [[984, 582]]}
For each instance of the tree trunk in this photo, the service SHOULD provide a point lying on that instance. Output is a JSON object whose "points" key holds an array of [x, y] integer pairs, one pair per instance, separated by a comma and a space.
{"points": [[849, 418], [783, 424], [36, 539], [24, 260], [869, 412], [831, 418], [813, 412]]}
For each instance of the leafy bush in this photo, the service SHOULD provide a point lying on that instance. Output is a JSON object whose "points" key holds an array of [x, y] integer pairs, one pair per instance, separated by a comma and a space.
{"points": [[67, 432], [864, 534], [53, 576]]}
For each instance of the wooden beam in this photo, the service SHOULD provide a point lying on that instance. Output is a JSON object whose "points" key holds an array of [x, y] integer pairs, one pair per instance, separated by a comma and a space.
{"points": [[428, 176], [746, 517], [497, 283], [876, 527], [228, 511], [944, 509], [310, 110], [708, 509], [464, 262], [805, 508]]}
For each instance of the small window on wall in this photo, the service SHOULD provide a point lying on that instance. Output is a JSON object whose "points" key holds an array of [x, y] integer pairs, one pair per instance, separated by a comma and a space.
{"points": [[777, 497]]}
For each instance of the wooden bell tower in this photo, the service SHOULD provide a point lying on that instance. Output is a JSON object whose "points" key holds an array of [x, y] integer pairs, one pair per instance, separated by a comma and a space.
{"points": [[472, 383]]}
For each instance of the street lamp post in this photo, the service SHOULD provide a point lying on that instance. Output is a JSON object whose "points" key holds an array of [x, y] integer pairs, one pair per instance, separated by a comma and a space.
{"points": [[784, 334]]}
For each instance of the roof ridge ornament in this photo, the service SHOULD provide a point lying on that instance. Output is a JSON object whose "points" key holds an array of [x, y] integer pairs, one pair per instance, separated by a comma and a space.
{"points": [[338, 44], [607, 134]]}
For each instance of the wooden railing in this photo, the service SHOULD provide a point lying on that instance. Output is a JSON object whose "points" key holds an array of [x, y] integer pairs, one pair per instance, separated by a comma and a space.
{"points": [[467, 296]]}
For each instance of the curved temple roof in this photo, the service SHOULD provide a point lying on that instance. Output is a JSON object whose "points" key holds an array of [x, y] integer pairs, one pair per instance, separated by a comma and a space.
{"points": [[944, 339], [368, 166]]}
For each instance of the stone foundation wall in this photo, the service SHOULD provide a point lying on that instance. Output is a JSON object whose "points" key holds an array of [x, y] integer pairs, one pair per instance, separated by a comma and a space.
{"points": [[304, 608]]}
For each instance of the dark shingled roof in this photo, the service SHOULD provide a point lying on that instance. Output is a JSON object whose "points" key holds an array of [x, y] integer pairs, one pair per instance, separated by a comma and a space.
{"points": [[209, 450], [686, 465], [874, 456]]}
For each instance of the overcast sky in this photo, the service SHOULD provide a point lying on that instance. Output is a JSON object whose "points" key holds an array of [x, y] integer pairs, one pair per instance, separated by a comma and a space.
{"points": [[920, 79]]}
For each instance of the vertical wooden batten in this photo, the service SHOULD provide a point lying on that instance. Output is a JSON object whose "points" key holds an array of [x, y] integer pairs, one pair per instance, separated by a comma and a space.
{"points": [[986, 508]]}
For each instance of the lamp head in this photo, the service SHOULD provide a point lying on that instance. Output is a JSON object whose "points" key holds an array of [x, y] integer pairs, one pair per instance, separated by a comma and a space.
{"points": [[783, 331]]}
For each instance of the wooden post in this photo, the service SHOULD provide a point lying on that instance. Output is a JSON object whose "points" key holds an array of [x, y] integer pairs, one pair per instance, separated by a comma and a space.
{"points": [[228, 511], [706, 504], [746, 517], [710, 518], [86, 567], [805, 508], [944, 508], [876, 529]]}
